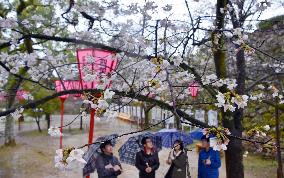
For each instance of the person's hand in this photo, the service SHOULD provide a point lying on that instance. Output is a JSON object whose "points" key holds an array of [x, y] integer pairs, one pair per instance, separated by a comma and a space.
{"points": [[169, 161], [116, 168], [109, 166], [148, 169], [208, 162]]}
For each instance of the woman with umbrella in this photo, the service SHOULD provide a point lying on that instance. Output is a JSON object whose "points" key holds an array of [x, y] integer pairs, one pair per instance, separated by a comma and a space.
{"points": [[178, 161]]}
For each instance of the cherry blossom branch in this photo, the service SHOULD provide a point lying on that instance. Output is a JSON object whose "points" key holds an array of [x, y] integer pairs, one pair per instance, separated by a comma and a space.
{"points": [[262, 79], [139, 97]]}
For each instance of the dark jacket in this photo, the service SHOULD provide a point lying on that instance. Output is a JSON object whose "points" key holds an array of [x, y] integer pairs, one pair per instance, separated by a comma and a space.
{"points": [[178, 167], [101, 161], [209, 171], [141, 164]]}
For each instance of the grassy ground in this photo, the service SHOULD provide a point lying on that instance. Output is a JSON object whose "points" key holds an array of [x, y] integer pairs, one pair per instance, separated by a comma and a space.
{"points": [[258, 167]]}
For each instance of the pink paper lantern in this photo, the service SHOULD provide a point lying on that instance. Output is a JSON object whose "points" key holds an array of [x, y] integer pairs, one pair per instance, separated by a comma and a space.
{"points": [[59, 88], [69, 85], [193, 89], [101, 62], [20, 95], [74, 85]]}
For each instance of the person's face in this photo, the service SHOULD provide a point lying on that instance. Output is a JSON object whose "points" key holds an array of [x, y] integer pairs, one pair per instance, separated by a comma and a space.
{"points": [[177, 146], [149, 144], [108, 149], [205, 144]]}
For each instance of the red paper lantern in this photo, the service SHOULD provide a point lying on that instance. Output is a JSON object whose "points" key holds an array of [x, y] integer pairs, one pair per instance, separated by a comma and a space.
{"points": [[193, 89]]}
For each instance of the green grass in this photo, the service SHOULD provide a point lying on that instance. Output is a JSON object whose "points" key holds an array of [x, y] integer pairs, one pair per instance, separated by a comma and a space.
{"points": [[75, 131], [34, 133], [256, 166]]}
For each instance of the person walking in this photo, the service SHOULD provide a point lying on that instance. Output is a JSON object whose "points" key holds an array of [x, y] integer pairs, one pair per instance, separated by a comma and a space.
{"points": [[107, 165], [209, 160], [147, 160], [178, 161]]}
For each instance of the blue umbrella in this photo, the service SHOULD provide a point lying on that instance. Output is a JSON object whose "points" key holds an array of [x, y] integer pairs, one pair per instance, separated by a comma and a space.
{"points": [[93, 151], [127, 152], [196, 134], [171, 135]]}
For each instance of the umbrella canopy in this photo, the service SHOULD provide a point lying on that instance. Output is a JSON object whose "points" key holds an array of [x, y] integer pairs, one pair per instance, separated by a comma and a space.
{"points": [[171, 135], [196, 134], [93, 151], [127, 152]]}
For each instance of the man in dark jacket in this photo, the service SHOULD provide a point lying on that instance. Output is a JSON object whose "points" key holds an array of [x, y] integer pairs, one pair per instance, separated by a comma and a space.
{"points": [[107, 165], [147, 160]]}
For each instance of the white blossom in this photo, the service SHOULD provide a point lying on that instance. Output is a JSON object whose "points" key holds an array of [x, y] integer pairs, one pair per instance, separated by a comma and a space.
{"points": [[73, 161], [219, 147], [54, 131], [266, 127], [260, 86], [17, 114], [240, 101], [102, 104], [27, 96], [177, 60], [108, 94], [275, 94]]}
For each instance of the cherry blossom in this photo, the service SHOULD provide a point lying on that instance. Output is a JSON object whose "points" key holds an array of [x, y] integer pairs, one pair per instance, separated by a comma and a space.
{"points": [[54, 131], [17, 114], [266, 127], [69, 159], [241, 101], [108, 94]]}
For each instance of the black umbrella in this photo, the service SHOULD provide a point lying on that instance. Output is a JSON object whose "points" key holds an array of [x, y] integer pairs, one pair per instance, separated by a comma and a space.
{"points": [[93, 151], [127, 152]]}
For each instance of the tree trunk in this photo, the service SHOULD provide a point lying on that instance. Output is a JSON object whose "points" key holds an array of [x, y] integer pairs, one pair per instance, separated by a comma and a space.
{"points": [[9, 131], [81, 123], [147, 118], [47, 118], [234, 154], [278, 137], [15, 85], [178, 125], [9, 124], [38, 123]]}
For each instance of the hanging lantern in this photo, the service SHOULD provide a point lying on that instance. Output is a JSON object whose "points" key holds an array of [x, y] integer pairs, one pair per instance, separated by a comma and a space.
{"points": [[74, 85], [21, 95], [59, 88], [93, 65], [97, 62], [193, 89]]}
